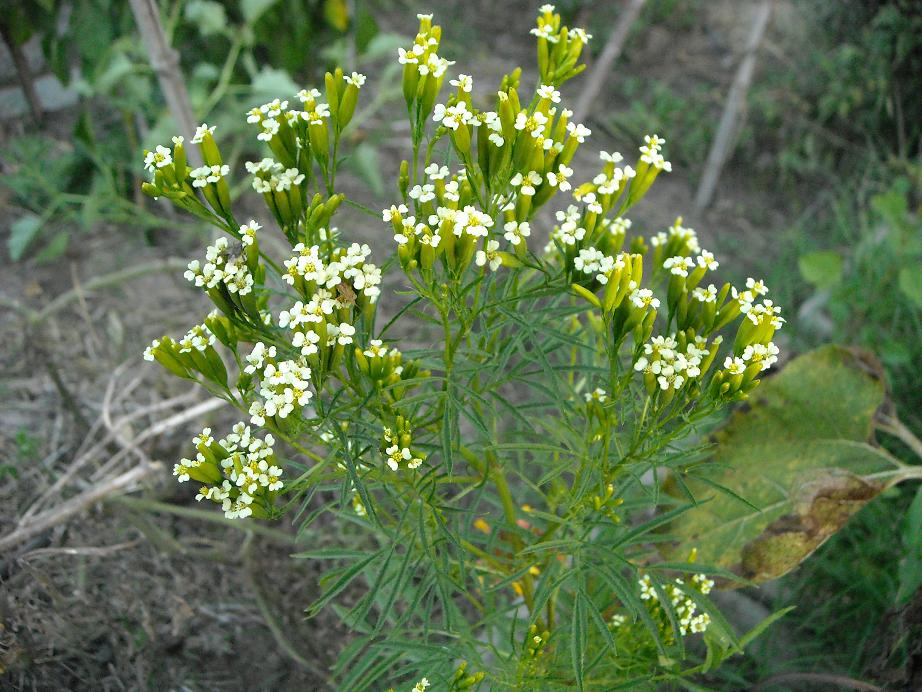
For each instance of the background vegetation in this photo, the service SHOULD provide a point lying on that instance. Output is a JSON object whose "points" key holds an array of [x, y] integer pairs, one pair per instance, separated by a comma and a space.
{"points": [[821, 197]]}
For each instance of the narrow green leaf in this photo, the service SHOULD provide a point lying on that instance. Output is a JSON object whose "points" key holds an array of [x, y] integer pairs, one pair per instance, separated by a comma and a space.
{"points": [[578, 638], [344, 580], [757, 631]]}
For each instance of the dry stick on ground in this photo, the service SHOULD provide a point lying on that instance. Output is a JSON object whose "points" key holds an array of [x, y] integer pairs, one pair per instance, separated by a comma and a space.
{"points": [[193, 412], [734, 109], [600, 71], [78, 504], [165, 61]]}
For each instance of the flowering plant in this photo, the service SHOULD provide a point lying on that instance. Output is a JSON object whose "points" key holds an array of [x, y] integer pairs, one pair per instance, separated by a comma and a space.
{"points": [[499, 483]]}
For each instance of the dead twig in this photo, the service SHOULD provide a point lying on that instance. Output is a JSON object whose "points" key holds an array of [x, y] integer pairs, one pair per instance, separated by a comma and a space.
{"points": [[90, 550], [734, 109], [607, 57], [78, 504], [23, 72], [191, 413], [156, 429]]}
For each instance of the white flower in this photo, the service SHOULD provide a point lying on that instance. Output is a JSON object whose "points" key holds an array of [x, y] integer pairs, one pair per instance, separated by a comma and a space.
{"points": [[464, 82], [580, 34], [436, 172], [549, 92], [579, 131], [597, 394], [305, 96], [559, 179], [356, 80], [489, 255], [735, 366], [256, 359], [421, 685], [406, 58], [158, 158], [678, 266], [589, 260], [705, 295], [647, 592], [395, 212], [423, 193], [346, 332], [200, 133], [654, 142], [706, 261], [454, 116], [756, 287], [516, 231], [643, 298], [376, 348], [149, 351], [546, 32], [270, 127], [208, 174], [248, 232], [614, 157], [650, 153]]}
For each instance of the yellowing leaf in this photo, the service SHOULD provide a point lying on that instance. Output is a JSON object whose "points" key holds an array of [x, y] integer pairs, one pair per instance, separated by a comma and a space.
{"points": [[803, 452]]}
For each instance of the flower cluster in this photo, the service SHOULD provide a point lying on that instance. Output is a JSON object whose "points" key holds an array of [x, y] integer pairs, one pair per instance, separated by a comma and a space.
{"points": [[559, 47], [452, 229], [422, 56], [311, 269], [238, 472], [595, 221], [396, 446], [423, 73], [670, 365], [222, 268], [686, 609], [284, 385], [194, 354]]}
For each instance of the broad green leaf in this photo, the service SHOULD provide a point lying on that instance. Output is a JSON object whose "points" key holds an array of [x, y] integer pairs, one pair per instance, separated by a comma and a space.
{"points": [[366, 28], [208, 16], [910, 571], [910, 281], [22, 233], [270, 82], [823, 268], [803, 452], [253, 9], [364, 161]]}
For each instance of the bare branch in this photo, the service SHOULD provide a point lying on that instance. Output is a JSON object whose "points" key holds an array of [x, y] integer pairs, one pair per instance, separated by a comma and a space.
{"points": [[734, 110], [600, 71], [165, 61]]}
